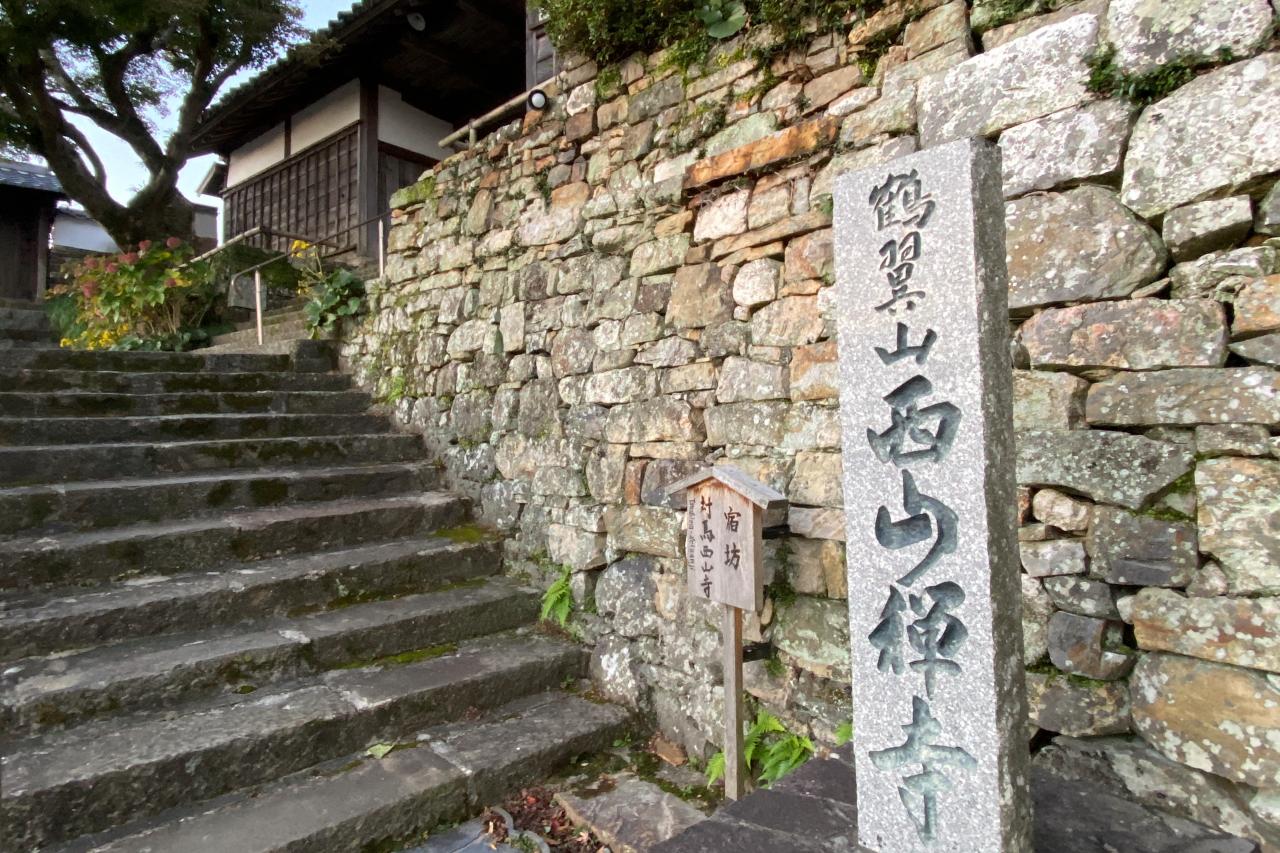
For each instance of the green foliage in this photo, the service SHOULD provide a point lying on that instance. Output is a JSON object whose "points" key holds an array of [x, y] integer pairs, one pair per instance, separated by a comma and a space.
{"points": [[769, 750], [724, 18], [124, 65], [844, 733], [148, 298], [557, 601], [335, 297], [396, 388], [610, 30], [1106, 78]]}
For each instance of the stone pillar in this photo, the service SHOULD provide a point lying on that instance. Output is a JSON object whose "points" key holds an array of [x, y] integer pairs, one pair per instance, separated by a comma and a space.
{"points": [[934, 598]]}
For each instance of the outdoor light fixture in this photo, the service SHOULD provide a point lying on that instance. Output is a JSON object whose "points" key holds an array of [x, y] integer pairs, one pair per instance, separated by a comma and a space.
{"points": [[416, 21], [538, 100]]}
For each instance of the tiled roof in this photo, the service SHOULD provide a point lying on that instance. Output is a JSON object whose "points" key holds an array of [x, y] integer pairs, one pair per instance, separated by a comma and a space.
{"points": [[28, 176], [294, 56]]}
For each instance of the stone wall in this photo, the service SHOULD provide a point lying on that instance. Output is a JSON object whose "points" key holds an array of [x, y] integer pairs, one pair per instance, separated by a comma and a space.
{"points": [[600, 298]]}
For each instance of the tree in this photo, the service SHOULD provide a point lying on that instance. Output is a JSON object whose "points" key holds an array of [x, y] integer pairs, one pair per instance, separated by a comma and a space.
{"points": [[120, 64]]}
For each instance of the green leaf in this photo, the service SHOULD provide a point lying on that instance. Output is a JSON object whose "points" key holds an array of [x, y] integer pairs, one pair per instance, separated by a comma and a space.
{"points": [[844, 733], [715, 768]]}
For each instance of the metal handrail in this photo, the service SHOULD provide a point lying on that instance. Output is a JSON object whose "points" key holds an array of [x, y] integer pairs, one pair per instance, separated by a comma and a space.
{"points": [[257, 268]]}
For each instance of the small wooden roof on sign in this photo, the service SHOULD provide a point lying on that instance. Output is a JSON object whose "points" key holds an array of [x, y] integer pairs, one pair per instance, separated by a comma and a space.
{"points": [[768, 499]]}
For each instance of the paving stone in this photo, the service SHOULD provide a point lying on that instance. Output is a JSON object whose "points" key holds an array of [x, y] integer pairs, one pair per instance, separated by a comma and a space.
{"points": [[1082, 244], [1238, 521], [726, 160], [724, 216], [700, 297], [1223, 630], [629, 814], [1078, 645], [1233, 440], [1209, 716], [1044, 400], [1149, 35], [1076, 706], [1017, 82], [742, 379], [1212, 136], [1128, 768], [1109, 467], [790, 321], [1053, 557], [1221, 275], [1061, 511], [1257, 307], [1081, 595], [1264, 349], [757, 282], [1077, 144], [1208, 226], [1267, 220], [1185, 397]]}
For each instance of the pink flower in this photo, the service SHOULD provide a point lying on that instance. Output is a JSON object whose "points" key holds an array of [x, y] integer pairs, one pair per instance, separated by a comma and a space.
{"points": [[129, 258], [170, 282], [144, 245], [91, 263], [89, 289], [173, 242], [112, 267]]}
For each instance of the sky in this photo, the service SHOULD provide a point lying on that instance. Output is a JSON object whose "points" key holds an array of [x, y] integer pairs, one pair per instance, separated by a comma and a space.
{"points": [[125, 173]]}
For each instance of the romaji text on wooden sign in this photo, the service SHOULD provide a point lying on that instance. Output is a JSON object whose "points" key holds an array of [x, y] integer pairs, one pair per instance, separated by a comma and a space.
{"points": [[934, 594]]}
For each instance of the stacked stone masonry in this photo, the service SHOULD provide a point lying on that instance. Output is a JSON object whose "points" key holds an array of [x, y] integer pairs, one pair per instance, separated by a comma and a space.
{"points": [[599, 299]]}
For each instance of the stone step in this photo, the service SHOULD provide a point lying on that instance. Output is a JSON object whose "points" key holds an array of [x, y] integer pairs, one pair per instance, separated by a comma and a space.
{"points": [[28, 334], [162, 672], [105, 773], [46, 510], [23, 466], [288, 313], [362, 803], [20, 345], [283, 328], [41, 432], [18, 318], [182, 546], [17, 404], [142, 362], [117, 382], [56, 620], [20, 304]]}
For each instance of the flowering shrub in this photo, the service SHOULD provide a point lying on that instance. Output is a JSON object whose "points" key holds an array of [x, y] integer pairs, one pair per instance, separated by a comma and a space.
{"points": [[149, 298]]}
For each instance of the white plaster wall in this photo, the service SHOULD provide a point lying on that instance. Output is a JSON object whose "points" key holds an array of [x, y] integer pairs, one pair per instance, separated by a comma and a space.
{"points": [[334, 111], [206, 222], [77, 232], [256, 156], [407, 127]]}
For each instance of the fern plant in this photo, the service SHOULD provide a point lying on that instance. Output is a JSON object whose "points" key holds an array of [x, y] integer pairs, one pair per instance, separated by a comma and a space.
{"points": [[557, 601], [769, 750]]}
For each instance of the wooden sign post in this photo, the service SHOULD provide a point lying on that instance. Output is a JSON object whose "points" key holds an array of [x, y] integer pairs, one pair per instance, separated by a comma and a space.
{"points": [[727, 513]]}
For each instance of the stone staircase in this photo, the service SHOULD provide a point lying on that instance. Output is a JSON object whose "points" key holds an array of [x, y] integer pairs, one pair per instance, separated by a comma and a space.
{"points": [[282, 327], [221, 581], [24, 325]]}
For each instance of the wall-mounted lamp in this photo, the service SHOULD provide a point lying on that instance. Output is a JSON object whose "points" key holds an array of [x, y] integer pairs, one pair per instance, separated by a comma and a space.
{"points": [[538, 100], [415, 21]]}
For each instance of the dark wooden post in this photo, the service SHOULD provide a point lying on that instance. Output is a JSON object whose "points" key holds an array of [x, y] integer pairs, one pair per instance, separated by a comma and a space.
{"points": [[367, 169]]}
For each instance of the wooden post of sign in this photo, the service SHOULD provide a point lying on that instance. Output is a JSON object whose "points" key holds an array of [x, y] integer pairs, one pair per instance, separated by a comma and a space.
{"points": [[735, 766], [726, 515]]}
